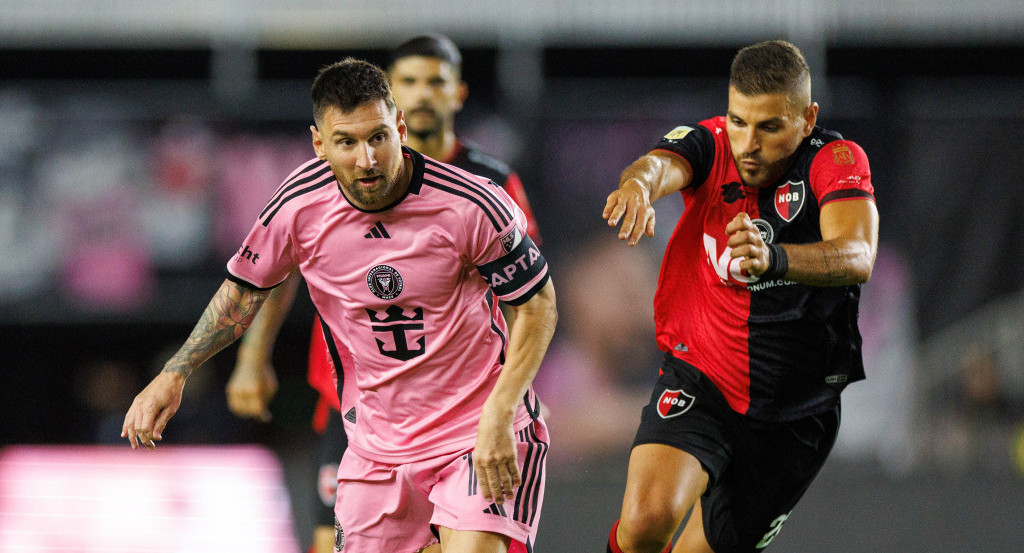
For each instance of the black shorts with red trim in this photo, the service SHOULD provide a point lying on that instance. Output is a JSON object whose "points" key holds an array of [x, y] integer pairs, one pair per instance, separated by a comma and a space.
{"points": [[757, 470], [331, 447]]}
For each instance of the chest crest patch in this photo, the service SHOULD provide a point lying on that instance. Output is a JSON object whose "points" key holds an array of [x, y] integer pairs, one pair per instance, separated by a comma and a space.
{"points": [[789, 199], [385, 282]]}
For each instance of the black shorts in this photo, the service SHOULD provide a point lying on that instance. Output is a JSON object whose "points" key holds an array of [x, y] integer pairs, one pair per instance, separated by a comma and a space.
{"points": [[332, 445], [758, 470]]}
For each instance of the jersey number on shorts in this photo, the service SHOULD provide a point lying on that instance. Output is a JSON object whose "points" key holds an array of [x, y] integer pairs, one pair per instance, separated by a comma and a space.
{"points": [[395, 322], [776, 527]]}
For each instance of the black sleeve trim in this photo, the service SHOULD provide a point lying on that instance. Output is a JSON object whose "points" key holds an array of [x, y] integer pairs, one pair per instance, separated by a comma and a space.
{"points": [[844, 195], [246, 284], [697, 148]]}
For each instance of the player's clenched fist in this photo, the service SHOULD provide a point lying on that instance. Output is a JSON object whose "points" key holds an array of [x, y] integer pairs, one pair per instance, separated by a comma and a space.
{"points": [[153, 407], [630, 203], [747, 245]]}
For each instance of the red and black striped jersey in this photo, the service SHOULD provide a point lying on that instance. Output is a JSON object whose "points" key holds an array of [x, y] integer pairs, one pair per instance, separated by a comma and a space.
{"points": [[777, 350]]}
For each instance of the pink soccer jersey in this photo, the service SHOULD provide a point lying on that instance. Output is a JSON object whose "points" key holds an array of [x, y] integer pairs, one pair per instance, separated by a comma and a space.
{"points": [[409, 291]]}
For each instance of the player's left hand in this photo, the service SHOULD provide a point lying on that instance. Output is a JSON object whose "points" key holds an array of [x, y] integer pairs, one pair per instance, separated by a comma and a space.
{"points": [[747, 245], [494, 459]]}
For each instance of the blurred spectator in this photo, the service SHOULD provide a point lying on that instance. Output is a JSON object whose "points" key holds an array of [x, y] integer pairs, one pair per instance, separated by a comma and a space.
{"points": [[598, 371], [94, 191], [975, 420], [102, 387], [250, 169], [176, 215]]}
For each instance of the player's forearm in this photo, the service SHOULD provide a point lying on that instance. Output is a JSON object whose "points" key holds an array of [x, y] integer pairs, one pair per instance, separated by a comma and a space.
{"points": [[228, 315], [535, 325], [837, 262], [257, 343], [658, 175]]}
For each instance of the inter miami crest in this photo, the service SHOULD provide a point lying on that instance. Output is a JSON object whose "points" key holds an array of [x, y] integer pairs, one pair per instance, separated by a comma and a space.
{"points": [[384, 282], [789, 199], [673, 403]]}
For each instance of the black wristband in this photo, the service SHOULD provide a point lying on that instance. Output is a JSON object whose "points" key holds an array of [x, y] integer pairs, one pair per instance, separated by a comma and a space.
{"points": [[778, 263]]}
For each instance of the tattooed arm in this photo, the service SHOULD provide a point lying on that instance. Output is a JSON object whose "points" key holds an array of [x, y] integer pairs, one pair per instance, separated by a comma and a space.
{"points": [[846, 254], [229, 313]]}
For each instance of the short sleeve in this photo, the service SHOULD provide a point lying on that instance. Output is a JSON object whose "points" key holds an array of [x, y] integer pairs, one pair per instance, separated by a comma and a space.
{"points": [[506, 256], [695, 145], [265, 257], [840, 171]]}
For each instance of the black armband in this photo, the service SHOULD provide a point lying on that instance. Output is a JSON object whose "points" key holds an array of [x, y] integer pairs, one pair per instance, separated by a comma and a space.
{"points": [[778, 263]]}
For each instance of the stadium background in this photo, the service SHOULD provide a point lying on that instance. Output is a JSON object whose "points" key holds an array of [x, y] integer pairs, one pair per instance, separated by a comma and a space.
{"points": [[137, 142]]}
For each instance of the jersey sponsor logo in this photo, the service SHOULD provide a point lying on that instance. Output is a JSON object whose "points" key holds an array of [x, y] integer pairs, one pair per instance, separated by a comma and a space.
{"points": [[817, 142], [732, 191], [377, 231], [775, 528], [385, 282], [764, 228], [673, 403], [510, 240], [726, 266], [397, 324], [678, 133], [246, 253], [842, 155], [766, 284], [789, 199]]}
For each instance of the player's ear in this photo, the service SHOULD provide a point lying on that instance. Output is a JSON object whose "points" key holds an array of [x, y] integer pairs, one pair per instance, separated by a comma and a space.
{"points": [[318, 142], [810, 118], [403, 129], [462, 93]]}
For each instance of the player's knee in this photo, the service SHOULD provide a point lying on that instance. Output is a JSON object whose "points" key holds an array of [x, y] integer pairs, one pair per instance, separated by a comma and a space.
{"points": [[644, 529]]}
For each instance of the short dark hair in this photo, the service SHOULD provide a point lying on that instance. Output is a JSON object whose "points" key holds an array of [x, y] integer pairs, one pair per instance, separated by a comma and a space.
{"points": [[429, 46], [348, 84], [771, 67]]}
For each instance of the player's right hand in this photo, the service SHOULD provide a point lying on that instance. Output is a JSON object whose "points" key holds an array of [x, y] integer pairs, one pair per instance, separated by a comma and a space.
{"points": [[152, 408], [630, 203], [251, 387]]}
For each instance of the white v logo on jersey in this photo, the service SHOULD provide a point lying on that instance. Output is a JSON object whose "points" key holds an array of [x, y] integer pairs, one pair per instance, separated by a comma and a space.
{"points": [[723, 264]]}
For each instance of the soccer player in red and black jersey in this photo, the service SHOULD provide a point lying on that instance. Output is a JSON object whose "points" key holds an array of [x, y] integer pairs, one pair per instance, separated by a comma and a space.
{"points": [[427, 85], [756, 310]]}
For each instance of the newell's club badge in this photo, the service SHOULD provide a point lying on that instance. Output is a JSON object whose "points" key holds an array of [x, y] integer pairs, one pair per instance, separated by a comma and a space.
{"points": [[673, 403], [384, 282], [789, 200]]}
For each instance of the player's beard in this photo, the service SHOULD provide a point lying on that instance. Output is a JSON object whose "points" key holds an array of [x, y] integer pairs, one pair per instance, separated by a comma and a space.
{"points": [[765, 174], [423, 122], [376, 197]]}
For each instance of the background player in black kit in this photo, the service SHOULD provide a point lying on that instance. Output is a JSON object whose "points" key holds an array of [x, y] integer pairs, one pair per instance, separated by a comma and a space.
{"points": [[756, 309]]}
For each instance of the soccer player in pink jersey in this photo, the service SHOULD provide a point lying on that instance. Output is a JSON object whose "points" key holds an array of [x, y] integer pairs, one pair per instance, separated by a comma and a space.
{"points": [[448, 433], [426, 81]]}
